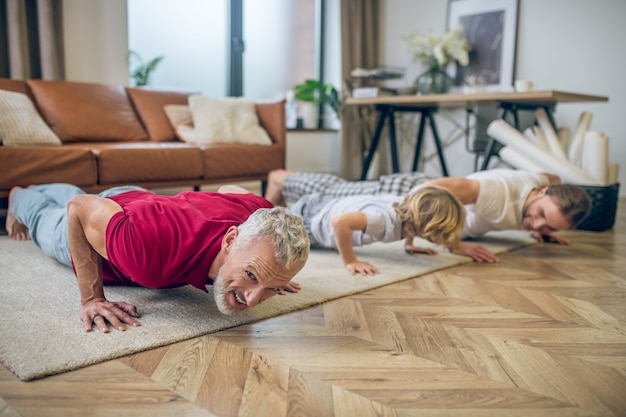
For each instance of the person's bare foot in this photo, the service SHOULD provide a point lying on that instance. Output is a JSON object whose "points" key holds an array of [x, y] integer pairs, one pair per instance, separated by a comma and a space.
{"points": [[15, 229], [274, 190]]}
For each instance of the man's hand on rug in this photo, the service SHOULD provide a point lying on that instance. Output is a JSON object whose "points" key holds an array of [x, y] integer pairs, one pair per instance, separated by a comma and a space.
{"points": [[100, 311], [364, 268], [477, 252]]}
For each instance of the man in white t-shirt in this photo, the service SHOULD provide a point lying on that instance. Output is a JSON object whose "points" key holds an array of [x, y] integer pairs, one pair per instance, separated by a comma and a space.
{"points": [[497, 199]]}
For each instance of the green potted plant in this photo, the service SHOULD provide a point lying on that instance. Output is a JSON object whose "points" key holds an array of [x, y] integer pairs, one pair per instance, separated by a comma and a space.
{"points": [[316, 93], [142, 72]]}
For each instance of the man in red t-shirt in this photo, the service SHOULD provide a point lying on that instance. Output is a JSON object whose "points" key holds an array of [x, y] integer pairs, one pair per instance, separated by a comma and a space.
{"points": [[232, 239]]}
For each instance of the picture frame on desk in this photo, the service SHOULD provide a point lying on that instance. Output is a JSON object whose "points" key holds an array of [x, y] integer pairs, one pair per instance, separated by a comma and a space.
{"points": [[490, 26]]}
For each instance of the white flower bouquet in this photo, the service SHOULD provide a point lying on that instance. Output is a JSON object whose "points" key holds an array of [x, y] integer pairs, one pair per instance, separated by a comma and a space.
{"points": [[432, 49]]}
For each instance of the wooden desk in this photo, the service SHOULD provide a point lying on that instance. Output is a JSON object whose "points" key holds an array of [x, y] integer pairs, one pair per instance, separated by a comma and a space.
{"points": [[427, 105]]}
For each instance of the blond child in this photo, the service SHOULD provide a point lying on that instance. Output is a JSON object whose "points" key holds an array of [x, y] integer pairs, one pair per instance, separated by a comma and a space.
{"points": [[432, 213]]}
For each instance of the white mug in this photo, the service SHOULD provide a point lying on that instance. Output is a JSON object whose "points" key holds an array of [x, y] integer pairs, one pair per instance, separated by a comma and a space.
{"points": [[523, 85]]}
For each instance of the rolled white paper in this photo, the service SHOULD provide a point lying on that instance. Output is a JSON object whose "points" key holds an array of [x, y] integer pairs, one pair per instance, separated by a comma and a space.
{"points": [[540, 138], [575, 151], [550, 134], [519, 161], [595, 159], [563, 135], [529, 133], [613, 175], [509, 136]]}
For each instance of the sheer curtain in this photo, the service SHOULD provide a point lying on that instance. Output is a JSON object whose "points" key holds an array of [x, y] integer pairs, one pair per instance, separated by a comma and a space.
{"points": [[359, 49], [31, 39]]}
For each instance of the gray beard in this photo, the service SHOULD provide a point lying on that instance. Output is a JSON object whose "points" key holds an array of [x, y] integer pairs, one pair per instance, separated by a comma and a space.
{"points": [[220, 291]]}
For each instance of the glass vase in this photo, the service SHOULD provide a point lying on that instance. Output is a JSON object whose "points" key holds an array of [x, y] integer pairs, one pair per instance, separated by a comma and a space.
{"points": [[434, 81]]}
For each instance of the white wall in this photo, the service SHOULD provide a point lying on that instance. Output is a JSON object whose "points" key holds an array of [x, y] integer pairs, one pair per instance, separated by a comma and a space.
{"points": [[569, 45], [313, 151]]}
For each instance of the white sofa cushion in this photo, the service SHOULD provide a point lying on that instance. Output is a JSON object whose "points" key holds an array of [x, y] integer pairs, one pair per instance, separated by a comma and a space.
{"points": [[225, 120], [21, 124]]}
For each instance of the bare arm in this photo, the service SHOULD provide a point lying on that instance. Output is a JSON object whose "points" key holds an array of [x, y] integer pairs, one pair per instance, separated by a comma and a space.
{"points": [[343, 225], [88, 217], [464, 189], [232, 189]]}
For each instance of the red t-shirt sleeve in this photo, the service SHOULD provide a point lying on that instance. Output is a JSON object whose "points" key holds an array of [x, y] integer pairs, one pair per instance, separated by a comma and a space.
{"points": [[162, 242]]}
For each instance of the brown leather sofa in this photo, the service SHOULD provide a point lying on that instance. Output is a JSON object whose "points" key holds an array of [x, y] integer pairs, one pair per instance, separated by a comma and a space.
{"points": [[116, 135]]}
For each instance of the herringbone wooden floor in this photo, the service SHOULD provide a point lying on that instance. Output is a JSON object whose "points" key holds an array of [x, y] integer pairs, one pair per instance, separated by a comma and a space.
{"points": [[542, 333]]}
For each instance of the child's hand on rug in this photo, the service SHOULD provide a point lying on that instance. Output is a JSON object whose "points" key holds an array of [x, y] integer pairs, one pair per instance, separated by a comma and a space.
{"points": [[361, 267], [410, 249], [99, 311]]}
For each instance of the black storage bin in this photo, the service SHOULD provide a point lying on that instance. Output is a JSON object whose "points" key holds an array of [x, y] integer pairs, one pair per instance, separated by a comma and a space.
{"points": [[604, 208]]}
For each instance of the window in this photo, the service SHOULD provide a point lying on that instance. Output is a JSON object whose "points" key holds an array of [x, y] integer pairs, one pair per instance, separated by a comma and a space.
{"points": [[190, 34], [194, 36]]}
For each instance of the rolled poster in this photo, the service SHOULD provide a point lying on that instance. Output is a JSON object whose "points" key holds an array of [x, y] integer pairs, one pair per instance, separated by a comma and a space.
{"points": [[550, 134], [575, 151], [563, 134], [509, 136], [519, 161], [613, 175], [595, 158], [540, 138], [535, 135]]}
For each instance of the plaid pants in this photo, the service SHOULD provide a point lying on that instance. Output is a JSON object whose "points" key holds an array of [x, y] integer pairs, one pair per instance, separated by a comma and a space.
{"points": [[303, 183]]}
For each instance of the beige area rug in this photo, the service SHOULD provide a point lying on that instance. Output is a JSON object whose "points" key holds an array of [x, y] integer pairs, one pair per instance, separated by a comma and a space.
{"points": [[41, 335]]}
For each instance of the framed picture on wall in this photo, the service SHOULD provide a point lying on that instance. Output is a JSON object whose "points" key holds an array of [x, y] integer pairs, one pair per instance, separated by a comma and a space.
{"points": [[490, 26]]}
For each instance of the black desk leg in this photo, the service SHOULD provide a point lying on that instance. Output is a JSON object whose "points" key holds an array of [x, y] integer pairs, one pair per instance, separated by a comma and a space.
{"points": [[433, 127], [375, 139], [395, 166], [418, 144], [549, 112], [488, 152], [492, 145]]}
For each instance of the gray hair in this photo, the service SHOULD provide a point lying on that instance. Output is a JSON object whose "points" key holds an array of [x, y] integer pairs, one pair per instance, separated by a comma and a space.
{"points": [[284, 229]]}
